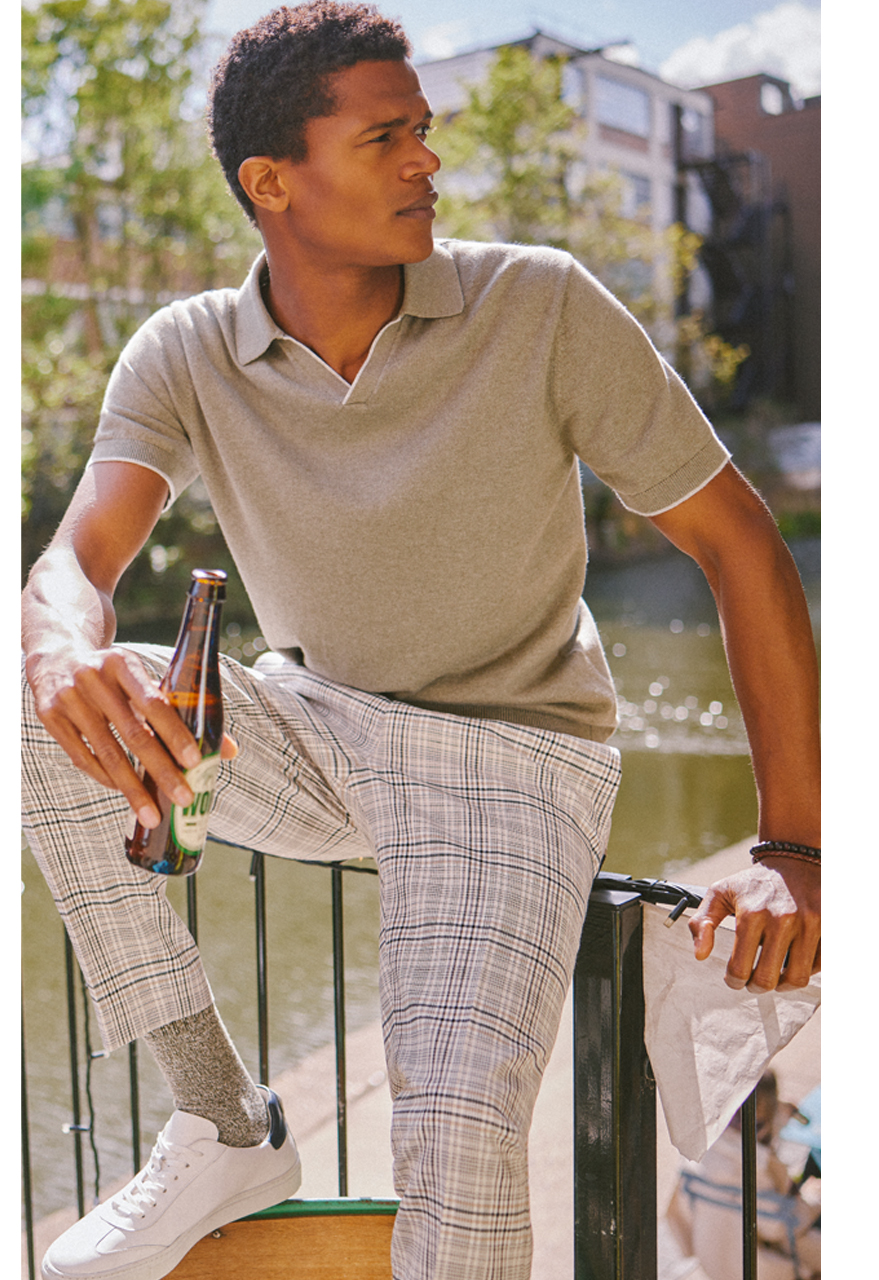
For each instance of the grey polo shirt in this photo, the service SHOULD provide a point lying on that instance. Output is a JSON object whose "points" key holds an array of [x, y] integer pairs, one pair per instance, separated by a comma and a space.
{"points": [[420, 532]]}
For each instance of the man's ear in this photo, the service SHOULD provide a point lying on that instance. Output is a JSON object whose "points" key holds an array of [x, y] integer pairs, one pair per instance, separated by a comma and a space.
{"points": [[264, 181]]}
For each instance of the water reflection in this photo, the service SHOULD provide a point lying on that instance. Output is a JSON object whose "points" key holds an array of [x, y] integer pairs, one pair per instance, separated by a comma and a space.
{"points": [[675, 808], [687, 788], [674, 689]]}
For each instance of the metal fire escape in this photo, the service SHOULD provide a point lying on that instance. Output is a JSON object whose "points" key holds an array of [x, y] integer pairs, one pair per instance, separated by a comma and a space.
{"points": [[747, 257]]}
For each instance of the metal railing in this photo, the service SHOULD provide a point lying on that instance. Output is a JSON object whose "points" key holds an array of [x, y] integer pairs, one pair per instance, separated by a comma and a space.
{"points": [[615, 1186], [615, 1214]]}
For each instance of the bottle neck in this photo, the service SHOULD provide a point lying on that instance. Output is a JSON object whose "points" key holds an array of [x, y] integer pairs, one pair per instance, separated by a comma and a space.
{"points": [[193, 677], [201, 623]]}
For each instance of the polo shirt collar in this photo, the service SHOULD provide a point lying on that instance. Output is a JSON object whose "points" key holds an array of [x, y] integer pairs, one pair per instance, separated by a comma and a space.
{"points": [[255, 330], [432, 291]]}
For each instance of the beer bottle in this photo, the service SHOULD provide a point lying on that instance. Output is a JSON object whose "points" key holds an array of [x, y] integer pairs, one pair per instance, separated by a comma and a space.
{"points": [[192, 682]]}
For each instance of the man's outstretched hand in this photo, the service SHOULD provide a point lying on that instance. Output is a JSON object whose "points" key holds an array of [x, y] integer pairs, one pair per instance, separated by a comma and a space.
{"points": [[776, 905]]}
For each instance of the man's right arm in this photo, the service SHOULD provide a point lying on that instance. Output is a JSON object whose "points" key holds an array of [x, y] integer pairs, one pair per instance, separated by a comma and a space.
{"points": [[83, 688]]}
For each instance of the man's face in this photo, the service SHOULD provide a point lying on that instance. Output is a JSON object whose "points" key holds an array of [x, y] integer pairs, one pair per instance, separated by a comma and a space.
{"points": [[364, 196]]}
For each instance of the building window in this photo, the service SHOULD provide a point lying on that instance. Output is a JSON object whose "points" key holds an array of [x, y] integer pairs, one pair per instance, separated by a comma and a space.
{"points": [[771, 99], [621, 106], [636, 195], [572, 85], [696, 132]]}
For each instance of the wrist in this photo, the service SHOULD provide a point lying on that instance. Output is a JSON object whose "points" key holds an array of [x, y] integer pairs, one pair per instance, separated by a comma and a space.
{"points": [[793, 870], [800, 826], [59, 656], [786, 849]]}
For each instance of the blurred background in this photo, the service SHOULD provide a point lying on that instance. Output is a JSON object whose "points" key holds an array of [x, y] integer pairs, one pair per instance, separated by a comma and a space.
{"points": [[675, 150]]}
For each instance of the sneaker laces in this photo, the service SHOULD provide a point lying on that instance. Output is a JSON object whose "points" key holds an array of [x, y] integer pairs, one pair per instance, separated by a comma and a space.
{"points": [[142, 1192]]}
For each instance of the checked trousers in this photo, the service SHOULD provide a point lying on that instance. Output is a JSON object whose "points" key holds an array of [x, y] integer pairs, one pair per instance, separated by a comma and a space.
{"points": [[487, 837]]}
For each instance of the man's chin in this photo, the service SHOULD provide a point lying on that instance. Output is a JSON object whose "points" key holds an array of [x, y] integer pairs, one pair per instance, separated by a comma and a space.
{"points": [[419, 253]]}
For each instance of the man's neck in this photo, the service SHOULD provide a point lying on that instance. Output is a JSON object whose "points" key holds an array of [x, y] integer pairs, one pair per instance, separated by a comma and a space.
{"points": [[337, 315]]}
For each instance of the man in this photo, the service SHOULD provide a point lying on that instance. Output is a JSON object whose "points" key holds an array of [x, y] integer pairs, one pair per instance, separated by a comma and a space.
{"points": [[703, 1212], [388, 430]]}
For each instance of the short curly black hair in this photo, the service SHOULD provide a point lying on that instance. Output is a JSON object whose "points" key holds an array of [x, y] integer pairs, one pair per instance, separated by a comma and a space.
{"points": [[273, 79]]}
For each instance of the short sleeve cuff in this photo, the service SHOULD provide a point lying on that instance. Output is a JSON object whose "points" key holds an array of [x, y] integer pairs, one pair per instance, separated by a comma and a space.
{"points": [[177, 473], [681, 484]]}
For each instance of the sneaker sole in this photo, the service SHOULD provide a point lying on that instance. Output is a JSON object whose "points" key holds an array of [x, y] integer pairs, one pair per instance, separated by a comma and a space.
{"points": [[250, 1201]]}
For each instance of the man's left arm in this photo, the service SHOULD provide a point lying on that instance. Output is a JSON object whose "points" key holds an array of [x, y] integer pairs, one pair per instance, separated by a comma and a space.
{"points": [[729, 532]]}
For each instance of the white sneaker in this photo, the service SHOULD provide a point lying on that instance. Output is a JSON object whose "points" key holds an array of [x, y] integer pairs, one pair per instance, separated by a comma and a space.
{"points": [[191, 1185]]}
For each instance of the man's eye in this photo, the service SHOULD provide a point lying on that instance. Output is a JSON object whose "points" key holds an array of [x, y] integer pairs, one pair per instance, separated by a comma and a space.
{"points": [[422, 131]]}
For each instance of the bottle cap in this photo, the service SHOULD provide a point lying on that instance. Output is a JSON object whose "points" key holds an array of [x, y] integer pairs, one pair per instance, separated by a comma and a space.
{"points": [[208, 582]]}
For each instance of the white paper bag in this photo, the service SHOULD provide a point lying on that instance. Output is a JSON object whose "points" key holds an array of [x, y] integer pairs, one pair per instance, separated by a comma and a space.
{"points": [[708, 1044]]}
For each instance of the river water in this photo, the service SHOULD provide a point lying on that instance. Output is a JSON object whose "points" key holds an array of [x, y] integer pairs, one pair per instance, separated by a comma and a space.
{"points": [[686, 793]]}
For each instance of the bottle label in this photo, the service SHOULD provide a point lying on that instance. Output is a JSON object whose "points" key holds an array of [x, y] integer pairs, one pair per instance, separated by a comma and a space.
{"points": [[189, 824]]}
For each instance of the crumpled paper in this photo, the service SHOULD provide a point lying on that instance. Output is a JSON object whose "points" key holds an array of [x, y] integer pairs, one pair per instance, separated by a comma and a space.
{"points": [[708, 1044]]}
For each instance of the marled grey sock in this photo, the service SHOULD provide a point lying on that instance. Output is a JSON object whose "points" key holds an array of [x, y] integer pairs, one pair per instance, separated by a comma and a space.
{"points": [[207, 1077]]}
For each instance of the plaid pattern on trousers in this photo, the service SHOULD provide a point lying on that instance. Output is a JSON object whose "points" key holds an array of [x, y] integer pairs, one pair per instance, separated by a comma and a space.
{"points": [[487, 837]]}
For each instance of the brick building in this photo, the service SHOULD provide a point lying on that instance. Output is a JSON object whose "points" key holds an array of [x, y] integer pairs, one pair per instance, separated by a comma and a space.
{"points": [[770, 147]]}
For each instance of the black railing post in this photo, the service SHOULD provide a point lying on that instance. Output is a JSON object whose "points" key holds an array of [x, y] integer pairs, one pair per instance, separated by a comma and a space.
{"points": [[134, 1102], [339, 1004], [26, 1160], [614, 1098], [749, 1187], [192, 907], [75, 1127], [258, 876]]}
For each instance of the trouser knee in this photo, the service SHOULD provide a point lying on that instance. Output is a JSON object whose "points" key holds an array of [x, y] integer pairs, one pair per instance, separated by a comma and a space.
{"points": [[458, 1130], [461, 1171]]}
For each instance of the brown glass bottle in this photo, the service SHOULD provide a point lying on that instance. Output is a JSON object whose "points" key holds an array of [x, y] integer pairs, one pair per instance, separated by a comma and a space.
{"points": [[192, 682]]}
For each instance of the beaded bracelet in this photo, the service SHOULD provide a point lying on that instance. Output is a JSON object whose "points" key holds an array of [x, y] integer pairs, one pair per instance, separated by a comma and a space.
{"points": [[785, 849]]}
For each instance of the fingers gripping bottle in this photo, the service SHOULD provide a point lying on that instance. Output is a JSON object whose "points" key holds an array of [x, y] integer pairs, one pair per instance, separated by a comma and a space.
{"points": [[192, 682]]}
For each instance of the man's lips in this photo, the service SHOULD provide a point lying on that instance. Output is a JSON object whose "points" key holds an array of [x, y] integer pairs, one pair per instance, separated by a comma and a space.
{"points": [[420, 208]]}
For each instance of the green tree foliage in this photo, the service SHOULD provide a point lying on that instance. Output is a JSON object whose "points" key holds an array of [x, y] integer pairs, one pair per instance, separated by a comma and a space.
{"points": [[514, 146], [112, 111], [513, 173], [513, 169], [123, 207]]}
